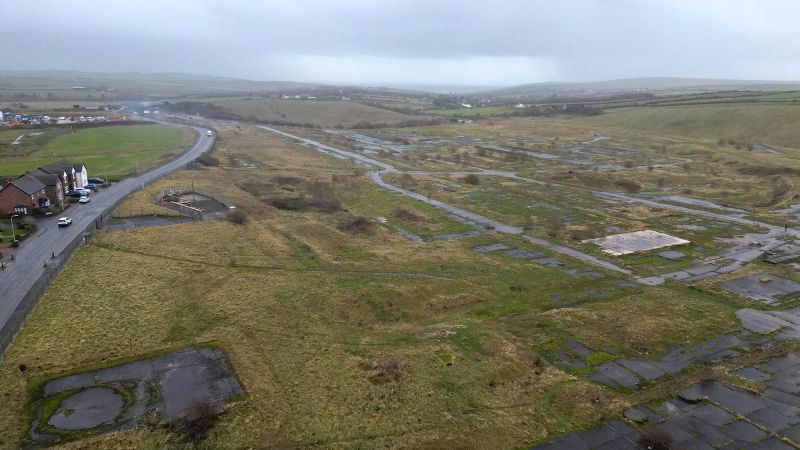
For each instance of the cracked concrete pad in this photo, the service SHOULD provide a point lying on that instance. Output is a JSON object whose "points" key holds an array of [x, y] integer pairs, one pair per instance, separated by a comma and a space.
{"points": [[760, 321], [676, 431], [599, 435], [672, 255], [642, 368], [753, 374], [172, 384], [619, 374], [734, 400], [88, 409], [578, 348], [491, 248], [770, 419], [712, 415], [700, 270], [621, 443], [637, 241], [763, 287], [524, 254], [743, 431], [568, 442]]}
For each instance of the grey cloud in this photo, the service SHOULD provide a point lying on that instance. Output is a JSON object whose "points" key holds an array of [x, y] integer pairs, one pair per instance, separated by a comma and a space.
{"points": [[414, 41]]}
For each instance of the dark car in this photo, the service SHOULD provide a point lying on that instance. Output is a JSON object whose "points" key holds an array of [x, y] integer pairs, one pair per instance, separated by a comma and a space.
{"points": [[76, 194], [91, 186], [96, 181]]}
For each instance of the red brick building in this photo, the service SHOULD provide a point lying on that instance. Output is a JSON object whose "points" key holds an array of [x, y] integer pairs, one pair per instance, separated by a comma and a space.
{"points": [[53, 185], [23, 195]]}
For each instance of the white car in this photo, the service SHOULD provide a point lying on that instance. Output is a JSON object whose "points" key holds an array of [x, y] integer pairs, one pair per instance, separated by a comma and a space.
{"points": [[84, 199], [209, 133], [64, 222]]}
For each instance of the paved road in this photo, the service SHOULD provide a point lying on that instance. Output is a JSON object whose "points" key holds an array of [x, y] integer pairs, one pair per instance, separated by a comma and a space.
{"points": [[21, 274]]}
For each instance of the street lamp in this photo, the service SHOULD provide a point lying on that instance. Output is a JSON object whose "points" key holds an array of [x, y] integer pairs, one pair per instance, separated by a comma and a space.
{"points": [[13, 235]]}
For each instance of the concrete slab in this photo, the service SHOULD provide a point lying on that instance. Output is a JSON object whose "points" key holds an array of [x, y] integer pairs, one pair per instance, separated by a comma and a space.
{"points": [[734, 400], [642, 368], [568, 442], [760, 321], [764, 287], [672, 255], [621, 443], [700, 270], [88, 409], [490, 248], [578, 348], [770, 419], [601, 378], [743, 431], [524, 254], [676, 432], [696, 444], [618, 374], [753, 374], [712, 415], [600, 435], [637, 241], [773, 444], [171, 383]]}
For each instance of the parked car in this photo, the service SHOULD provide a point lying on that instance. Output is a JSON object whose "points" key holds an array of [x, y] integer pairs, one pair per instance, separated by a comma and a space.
{"points": [[64, 222], [76, 194], [90, 186], [96, 181], [84, 199]]}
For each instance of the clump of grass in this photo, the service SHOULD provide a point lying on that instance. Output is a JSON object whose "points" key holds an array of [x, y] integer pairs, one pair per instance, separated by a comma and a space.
{"points": [[408, 215], [387, 371]]}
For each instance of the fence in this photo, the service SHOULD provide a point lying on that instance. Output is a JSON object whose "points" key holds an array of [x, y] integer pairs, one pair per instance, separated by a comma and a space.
{"points": [[29, 301]]}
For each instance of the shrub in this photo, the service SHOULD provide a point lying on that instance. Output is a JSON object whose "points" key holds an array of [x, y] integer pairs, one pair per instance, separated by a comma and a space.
{"points": [[554, 227], [289, 203], [629, 186], [287, 180], [29, 224], [198, 422], [237, 216], [356, 224], [208, 160], [655, 438], [472, 179]]}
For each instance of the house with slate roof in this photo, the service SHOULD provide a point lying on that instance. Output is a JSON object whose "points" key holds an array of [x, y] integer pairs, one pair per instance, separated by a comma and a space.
{"points": [[23, 196]]}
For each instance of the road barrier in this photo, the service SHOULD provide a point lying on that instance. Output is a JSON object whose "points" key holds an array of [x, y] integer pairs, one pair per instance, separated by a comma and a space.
{"points": [[9, 330]]}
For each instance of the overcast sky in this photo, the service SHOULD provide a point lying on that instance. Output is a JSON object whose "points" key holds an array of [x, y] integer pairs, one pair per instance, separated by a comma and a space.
{"points": [[423, 42]]}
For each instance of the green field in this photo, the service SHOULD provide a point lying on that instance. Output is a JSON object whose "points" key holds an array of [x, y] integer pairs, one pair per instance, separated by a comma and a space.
{"points": [[486, 111], [323, 113], [770, 124], [109, 151]]}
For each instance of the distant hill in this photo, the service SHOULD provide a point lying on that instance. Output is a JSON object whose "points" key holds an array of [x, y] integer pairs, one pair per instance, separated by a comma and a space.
{"points": [[72, 85], [137, 84], [657, 86]]}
